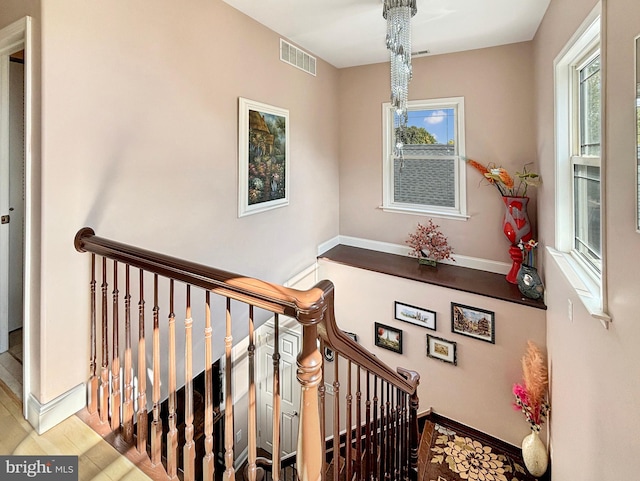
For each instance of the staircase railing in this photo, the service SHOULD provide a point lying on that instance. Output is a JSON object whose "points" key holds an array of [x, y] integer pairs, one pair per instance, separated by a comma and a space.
{"points": [[373, 425]]}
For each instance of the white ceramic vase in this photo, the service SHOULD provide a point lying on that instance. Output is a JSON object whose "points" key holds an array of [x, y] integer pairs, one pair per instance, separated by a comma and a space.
{"points": [[534, 454]]}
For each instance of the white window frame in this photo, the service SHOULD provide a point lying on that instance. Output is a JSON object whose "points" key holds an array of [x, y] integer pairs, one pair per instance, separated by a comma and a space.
{"points": [[588, 283], [459, 212]]}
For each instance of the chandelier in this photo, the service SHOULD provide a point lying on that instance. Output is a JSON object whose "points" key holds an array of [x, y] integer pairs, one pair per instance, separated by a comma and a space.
{"points": [[398, 14]]}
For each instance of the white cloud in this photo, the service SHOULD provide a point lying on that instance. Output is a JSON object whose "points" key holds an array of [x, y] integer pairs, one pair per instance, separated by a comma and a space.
{"points": [[436, 117]]}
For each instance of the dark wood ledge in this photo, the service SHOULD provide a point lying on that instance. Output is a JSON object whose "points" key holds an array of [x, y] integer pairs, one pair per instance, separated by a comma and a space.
{"points": [[453, 277]]}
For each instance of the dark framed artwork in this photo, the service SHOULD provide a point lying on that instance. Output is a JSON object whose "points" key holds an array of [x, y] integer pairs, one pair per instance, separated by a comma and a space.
{"points": [[263, 157], [388, 337], [415, 315], [441, 349], [473, 322]]}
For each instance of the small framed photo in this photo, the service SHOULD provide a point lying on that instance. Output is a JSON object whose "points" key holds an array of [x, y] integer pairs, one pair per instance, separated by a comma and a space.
{"points": [[388, 337], [415, 315], [473, 322], [263, 157], [441, 349]]}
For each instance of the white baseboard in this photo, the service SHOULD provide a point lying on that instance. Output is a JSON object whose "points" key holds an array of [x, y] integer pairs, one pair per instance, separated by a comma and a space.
{"points": [[402, 250], [45, 416]]}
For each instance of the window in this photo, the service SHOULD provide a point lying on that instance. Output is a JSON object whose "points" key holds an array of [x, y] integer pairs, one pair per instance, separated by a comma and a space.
{"points": [[585, 162], [429, 179], [578, 193]]}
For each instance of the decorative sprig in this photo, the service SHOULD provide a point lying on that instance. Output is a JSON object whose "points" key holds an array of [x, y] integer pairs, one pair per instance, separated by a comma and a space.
{"points": [[429, 242], [531, 395], [504, 182], [528, 252]]}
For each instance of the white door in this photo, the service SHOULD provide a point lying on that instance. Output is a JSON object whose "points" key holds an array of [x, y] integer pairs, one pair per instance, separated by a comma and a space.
{"points": [[289, 347], [16, 193], [11, 197]]}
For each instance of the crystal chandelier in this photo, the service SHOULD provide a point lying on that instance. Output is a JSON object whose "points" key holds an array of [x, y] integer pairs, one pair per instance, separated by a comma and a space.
{"points": [[398, 14]]}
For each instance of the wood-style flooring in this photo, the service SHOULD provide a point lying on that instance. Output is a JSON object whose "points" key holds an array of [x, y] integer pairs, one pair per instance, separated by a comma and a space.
{"points": [[11, 364], [97, 459]]}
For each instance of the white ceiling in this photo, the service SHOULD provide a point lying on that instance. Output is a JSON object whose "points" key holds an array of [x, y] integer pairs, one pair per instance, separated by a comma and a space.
{"points": [[346, 33]]}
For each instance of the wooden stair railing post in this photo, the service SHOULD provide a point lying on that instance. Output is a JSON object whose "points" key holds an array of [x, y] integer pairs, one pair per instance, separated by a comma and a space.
{"points": [[229, 472], [189, 450], [336, 418], [277, 407], [349, 425], [310, 443], [208, 462], [172, 434], [359, 474], [127, 405], [93, 379], [156, 424], [115, 361], [141, 415], [414, 402], [104, 371], [251, 468], [322, 401]]}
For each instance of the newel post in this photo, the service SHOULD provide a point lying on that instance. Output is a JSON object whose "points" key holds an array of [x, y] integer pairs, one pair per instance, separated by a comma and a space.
{"points": [[310, 443]]}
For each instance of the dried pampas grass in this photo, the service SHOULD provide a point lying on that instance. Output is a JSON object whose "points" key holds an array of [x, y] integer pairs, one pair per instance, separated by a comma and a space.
{"points": [[534, 369]]}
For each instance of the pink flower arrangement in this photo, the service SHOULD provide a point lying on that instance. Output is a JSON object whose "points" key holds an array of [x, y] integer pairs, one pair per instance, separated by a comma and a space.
{"points": [[531, 395], [429, 242]]}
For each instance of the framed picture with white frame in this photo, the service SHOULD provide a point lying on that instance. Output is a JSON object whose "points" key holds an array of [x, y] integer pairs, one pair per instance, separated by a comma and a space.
{"points": [[263, 157]]}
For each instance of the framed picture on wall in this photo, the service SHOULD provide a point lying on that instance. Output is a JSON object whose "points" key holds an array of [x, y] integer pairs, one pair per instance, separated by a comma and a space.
{"points": [[263, 157], [473, 322], [441, 349], [388, 337], [415, 315]]}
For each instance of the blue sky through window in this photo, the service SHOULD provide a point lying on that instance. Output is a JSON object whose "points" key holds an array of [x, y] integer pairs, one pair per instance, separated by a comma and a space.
{"points": [[438, 122]]}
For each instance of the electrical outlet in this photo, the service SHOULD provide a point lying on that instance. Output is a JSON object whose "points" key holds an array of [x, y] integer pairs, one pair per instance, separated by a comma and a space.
{"points": [[238, 436], [570, 310]]}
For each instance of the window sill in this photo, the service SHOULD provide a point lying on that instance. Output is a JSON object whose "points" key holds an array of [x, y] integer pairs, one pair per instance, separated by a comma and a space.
{"points": [[587, 290], [430, 213]]}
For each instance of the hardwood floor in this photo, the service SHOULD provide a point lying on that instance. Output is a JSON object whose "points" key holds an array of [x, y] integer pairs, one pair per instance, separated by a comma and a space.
{"points": [[11, 364], [97, 459]]}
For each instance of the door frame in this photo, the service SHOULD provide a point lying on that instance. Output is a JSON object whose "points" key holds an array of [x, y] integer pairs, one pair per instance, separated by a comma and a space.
{"points": [[15, 37]]}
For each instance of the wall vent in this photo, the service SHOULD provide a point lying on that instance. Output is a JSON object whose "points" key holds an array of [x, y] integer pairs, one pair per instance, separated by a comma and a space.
{"points": [[296, 57]]}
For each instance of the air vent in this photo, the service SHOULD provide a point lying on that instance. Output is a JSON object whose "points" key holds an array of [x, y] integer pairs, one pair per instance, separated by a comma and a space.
{"points": [[296, 57]]}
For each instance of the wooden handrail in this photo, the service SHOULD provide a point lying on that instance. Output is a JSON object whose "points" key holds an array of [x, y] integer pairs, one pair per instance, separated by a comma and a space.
{"points": [[338, 341], [283, 300], [312, 308]]}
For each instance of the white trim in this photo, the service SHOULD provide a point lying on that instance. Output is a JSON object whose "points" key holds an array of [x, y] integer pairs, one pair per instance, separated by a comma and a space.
{"points": [[12, 37], [401, 250], [45, 416], [413, 211], [586, 289], [291, 282], [328, 245], [591, 291]]}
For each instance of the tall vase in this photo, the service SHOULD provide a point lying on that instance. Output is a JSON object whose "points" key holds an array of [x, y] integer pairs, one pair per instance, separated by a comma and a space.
{"points": [[516, 227], [534, 454]]}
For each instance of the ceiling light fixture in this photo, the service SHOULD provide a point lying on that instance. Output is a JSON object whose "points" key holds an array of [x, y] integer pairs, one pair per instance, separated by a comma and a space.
{"points": [[398, 14]]}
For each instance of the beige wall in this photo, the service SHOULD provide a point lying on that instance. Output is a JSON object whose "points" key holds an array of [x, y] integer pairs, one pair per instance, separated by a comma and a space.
{"points": [[139, 141], [497, 86], [594, 417], [477, 391]]}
